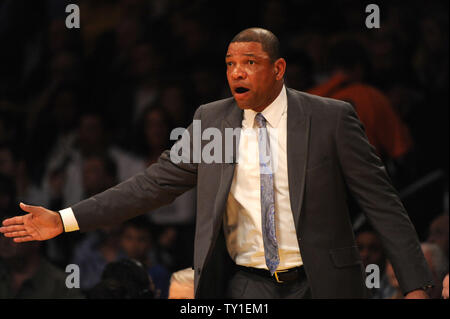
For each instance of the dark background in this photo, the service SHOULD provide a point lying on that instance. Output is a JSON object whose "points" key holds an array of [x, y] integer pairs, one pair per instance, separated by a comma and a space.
{"points": [[130, 56]]}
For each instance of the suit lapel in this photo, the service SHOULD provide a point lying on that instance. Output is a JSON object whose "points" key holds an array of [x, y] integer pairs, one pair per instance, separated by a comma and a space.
{"points": [[298, 125], [232, 120]]}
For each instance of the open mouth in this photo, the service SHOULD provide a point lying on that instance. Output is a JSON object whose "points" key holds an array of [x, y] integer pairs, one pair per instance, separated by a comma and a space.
{"points": [[241, 90]]}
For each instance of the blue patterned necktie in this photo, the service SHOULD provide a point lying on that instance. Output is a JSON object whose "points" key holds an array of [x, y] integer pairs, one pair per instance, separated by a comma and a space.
{"points": [[267, 196]]}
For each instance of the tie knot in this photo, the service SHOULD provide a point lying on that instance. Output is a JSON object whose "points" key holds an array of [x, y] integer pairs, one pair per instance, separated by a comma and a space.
{"points": [[260, 120]]}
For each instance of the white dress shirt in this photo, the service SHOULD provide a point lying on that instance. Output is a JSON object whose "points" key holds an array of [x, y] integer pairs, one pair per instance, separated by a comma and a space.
{"points": [[242, 221]]}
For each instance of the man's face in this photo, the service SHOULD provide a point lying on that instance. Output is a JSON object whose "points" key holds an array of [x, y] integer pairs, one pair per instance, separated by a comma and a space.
{"points": [[253, 78], [156, 130], [7, 165], [370, 249], [95, 178], [135, 243], [91, 132], [439, 233]]}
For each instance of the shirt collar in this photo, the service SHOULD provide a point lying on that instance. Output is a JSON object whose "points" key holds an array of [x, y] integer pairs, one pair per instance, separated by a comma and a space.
{"points": [[272, 113]]}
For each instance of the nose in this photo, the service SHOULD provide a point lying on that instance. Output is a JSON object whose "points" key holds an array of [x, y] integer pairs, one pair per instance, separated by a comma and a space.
{"points": [[238, 73]]}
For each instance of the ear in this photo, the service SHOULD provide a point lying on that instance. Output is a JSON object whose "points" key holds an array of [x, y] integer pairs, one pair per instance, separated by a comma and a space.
{"points": [[280, 68]]}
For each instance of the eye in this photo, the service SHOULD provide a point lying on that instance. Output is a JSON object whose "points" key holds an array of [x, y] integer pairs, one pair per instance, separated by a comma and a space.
{"points": [[251, 62], [229, 63]]}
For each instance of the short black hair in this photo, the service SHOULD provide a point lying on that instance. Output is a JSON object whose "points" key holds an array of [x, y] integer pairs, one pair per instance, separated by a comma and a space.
{"points": [[109, 164], [140, 223], [123, 279], [268, 40], [365, 228]]}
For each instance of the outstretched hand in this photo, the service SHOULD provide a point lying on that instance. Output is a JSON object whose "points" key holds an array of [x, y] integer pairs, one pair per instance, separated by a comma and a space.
{"points": [[39, 224]]}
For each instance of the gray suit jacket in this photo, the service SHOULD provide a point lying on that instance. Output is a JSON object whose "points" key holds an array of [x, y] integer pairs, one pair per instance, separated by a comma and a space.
{"points": [[328, 158]]}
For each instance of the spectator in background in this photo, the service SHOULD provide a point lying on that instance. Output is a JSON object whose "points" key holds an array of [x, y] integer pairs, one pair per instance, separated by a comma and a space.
{"points": [[92, 138], [206, 87], [8, 205], [137, 243], [99, 173], [389, 55], [152, 139], [438, 233], [98, 17], [397, 293], [438, 264], [136, 88], [7, 160], [182, 284], [153, 134], [300, 73], [101, 247], [372, 252], [439, 268], [350, 65], [94, 252], [124, 279], [15, 168], [26, 274], [174, 101], [167, 252], [431, 59], [51, 124]]}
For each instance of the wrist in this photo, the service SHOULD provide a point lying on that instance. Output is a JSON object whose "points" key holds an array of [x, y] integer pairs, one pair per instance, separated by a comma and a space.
{"points": [[60, 222]]}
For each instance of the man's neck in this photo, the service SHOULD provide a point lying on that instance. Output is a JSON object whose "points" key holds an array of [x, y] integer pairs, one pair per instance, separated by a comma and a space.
{"points": [[273, 98]]}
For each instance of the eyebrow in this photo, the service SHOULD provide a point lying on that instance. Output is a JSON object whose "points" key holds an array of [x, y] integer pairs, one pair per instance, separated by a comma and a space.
{"points": [[246, 54]]}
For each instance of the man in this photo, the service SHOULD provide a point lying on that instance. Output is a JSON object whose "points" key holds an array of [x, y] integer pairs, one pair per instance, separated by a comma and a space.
{"points": [[438, 232], [290, 238], [123, 279], [385, 130], [136, 242], [372, 253]]}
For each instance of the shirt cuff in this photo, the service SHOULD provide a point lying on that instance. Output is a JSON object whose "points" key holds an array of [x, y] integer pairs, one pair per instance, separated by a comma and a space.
{"points": [[68, 219]]}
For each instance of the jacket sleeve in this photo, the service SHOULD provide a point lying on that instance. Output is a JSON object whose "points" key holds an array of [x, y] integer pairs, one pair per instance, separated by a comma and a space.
{"points": [[371, 187], [156, 186]]}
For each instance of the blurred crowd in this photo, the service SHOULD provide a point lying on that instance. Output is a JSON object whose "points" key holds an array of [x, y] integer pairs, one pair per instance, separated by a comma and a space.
{"points": [[83, 109]]}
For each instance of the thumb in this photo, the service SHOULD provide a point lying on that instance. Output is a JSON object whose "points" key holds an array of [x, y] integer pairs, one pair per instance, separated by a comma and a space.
{"points": [[35, 210]]}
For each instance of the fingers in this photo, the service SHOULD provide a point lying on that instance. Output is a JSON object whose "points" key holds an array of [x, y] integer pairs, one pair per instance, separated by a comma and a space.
{"points": [[9, 229], [21, 233], [23, 239], [17, 232], [18, 220]]}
